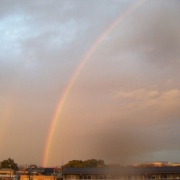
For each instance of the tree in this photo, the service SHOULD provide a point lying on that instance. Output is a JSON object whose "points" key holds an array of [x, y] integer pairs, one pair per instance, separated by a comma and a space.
{"points": [[84, 164], [9, 163], [94, 163], [75, 163]]}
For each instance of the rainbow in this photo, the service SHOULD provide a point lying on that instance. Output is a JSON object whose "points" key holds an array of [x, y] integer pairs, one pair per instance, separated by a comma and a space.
{"points": [[67, 89], [8, 113], [6, 116]]}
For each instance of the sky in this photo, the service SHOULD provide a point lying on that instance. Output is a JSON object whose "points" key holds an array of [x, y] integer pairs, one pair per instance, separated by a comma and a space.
{"points": [[123, 105]]}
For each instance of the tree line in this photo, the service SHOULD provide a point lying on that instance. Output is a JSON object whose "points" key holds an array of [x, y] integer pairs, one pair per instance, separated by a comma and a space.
{"points": [[84, 164], [10, 164]]}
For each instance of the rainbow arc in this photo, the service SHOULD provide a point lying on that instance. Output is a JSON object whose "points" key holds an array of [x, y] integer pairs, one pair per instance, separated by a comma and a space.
{"points": [[76, 73]]}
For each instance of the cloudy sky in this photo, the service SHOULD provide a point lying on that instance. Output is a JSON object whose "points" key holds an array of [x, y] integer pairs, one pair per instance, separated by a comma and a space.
{"points": [[124, 105]]}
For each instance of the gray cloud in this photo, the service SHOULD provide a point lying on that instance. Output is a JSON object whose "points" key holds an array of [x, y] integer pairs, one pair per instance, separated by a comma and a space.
{"points": [[123, 106]]}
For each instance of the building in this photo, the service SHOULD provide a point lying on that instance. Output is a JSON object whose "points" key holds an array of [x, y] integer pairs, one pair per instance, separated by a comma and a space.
{"points": [[37, 177], [123, 173], [8, 174], [40, 171], [40, 174], [155, 164]]}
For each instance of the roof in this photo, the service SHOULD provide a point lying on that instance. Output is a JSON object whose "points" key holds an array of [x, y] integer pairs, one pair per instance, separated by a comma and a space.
{"points": [[35, 170], [122, 170], [6, 169], [45, 171], [48, 171]]}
